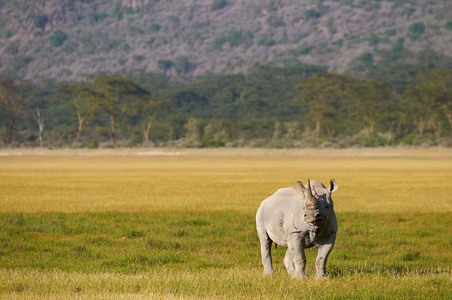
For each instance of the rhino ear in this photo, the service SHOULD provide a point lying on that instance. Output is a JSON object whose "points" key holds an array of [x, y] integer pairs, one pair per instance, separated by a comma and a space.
{"points": [[333, 186], [300, 188]]}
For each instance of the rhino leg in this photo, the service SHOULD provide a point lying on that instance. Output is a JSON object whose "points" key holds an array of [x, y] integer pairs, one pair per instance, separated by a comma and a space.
{"points": [[266, 254], [324, 250], [288, 262], [295, 246]]}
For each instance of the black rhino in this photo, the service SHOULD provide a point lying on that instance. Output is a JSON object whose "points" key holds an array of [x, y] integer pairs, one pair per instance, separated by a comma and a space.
{"points": [[298, 218]]}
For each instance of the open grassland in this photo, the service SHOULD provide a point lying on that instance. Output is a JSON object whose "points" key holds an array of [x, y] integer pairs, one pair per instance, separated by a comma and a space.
{"points": [[167, 223]]}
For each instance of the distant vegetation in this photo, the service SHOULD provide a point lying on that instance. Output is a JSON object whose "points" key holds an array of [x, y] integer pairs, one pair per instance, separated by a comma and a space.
{"points": [[67, 40], [294, 106]]}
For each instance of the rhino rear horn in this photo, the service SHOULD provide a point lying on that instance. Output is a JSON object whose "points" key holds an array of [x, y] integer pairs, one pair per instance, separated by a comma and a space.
{"points": [[300, 188], [310, 198], [333, 186]]}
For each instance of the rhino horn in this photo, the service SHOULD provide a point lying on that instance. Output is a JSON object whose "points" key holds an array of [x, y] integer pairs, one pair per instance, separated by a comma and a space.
{"points": [[310, 198]]}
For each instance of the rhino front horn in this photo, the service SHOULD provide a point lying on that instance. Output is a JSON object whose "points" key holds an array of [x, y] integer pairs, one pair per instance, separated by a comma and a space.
{"points": [[310, 199]]}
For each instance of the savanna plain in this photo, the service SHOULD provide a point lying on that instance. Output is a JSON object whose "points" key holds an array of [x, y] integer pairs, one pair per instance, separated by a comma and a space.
{"points": [[163, 223]]}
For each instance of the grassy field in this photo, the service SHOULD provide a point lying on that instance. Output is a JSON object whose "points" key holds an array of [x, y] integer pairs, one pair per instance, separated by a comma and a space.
{"points": [[137, 223]]}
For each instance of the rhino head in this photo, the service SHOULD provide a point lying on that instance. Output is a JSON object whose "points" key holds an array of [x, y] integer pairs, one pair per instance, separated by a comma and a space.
{"points": [[317, 208]]}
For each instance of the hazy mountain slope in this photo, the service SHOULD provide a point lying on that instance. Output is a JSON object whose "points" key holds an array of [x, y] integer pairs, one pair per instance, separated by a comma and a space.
{"points": [[67, 39]]}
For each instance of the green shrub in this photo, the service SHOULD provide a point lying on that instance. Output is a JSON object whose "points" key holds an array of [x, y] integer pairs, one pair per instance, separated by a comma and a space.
{"points": [[415, 30], [397, 47], [409, 139], [40, 21], [367, 58], [119, 16], [182, 65], [174, 19], [218, 43], [234, 38], [372, 38], [125, 47], [311, 13], [330, 25], [338, 43], [139, 58], [275, 21], [448, 25], [57, 38], [156, 27], [22, 61], [304, 50], [266, 42], [390, 32], [93, 144], [219, 4], [165, 64]]}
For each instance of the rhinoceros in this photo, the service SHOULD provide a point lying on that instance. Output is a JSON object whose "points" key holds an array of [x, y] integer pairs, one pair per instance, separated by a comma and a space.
{"points": [[298, 218]]}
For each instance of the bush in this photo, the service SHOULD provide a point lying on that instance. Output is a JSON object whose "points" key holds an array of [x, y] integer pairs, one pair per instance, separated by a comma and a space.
{"points": [[165, 64], [93, 145], [156, 27], [397, 47], [311, 13], [367, 59], [41, 21], [372, 38], [58, 38], [330, 25], [125, 47], [415, 30], [448, 25], [182, 65], [234, 38], [218, 43], [219, 4], [266, 42], [304, 50], [390, 32], [408, 139], [22, 61]]}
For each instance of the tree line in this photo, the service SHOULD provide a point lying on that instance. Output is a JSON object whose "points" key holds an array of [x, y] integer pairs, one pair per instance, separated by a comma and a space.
{"points": [[295, 105]]}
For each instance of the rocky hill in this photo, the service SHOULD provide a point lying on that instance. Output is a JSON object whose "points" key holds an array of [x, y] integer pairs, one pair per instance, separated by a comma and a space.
{"points": [[67, 39]]}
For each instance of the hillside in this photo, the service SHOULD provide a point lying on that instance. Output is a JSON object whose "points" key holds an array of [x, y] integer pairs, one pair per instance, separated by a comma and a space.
{"points": [[65, 40]]}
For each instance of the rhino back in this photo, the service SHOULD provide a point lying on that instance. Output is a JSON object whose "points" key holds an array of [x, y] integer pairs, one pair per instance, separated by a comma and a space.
{"points": [[276, 213]]}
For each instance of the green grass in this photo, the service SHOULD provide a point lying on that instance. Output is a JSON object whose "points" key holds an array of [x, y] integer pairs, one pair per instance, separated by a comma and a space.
{"points": [[123, 225], [216, 254]]}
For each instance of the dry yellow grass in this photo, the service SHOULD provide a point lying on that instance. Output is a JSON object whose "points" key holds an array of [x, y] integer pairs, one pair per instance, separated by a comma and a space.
{"points": [[370, 180]]}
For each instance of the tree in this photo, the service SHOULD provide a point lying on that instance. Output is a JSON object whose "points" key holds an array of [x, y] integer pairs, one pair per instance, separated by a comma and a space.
{"points": [[419, 101], [116, 91], [41, 126], [427, 100], [148, 108], [321, 96], [11, 103], [182, 65], [368, 99], [192, 129], [165, 64], [83, 100], [441, 81]]}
